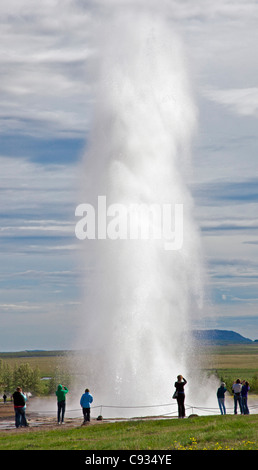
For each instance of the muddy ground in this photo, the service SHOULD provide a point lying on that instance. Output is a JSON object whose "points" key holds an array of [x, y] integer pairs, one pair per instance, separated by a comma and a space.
{"points": [[39, 421], [35, 421]]}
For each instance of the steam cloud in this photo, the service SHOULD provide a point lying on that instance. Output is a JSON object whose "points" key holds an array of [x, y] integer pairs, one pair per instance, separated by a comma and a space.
{"points": [[139, 298]]}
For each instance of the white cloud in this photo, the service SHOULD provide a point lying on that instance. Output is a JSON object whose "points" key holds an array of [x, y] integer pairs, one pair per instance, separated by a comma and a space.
{"points": [[46, 51], [43, 51], [37, 209], [20, 175], [242, 101], [19, 307]]}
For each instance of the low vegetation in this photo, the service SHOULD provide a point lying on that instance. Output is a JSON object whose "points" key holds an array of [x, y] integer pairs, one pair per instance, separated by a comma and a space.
{"points": [[30, 378], [200, 433]]}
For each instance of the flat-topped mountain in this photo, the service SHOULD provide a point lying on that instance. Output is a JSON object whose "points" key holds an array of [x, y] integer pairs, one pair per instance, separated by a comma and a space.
{"points": [[219, 337]]}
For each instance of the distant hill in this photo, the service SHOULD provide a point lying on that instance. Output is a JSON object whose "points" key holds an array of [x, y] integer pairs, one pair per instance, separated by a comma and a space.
{"points": [[33, 353], [219, 337]]}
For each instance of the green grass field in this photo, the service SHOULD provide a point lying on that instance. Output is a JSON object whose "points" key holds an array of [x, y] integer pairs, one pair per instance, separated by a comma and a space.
{"points": [[243, 357], [200, 433], [230, 362], [46, 363]]}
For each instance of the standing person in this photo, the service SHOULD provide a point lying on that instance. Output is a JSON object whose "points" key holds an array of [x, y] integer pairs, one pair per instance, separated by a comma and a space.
{"points": [[61, 393], [237, 387], [221, 397], [19, 402], [244, 393], [4, 397], [85, 401], [181, 382]]}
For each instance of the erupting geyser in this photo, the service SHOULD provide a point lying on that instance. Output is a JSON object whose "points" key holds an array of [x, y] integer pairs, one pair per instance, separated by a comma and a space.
{"points": [[139, 296]]}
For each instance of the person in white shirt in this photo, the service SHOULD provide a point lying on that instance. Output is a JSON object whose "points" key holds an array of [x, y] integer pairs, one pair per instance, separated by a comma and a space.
{"points": [[236, 388]]}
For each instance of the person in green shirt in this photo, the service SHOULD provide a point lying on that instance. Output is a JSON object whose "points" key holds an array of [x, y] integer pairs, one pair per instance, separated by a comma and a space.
{"points": [[61, 395]]}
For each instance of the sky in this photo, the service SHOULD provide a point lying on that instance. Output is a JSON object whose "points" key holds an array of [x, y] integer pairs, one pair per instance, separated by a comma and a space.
{"points": [[45, 114]]}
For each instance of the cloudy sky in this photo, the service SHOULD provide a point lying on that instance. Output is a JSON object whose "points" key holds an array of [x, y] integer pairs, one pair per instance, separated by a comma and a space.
{"points": [[45, 91]]}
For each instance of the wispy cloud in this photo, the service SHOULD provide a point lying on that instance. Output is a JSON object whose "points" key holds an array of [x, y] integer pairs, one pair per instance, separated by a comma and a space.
{"points": [[226, 191], [241, 101], [47, 54], [43, 55]]}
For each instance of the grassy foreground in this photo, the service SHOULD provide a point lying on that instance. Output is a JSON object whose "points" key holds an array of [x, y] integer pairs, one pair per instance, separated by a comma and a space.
{"points": [[199, 433]]}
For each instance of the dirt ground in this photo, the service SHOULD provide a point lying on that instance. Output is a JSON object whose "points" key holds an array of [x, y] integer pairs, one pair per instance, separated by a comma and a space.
{"points": [[35, 421], [38, 422], [6, 410]]}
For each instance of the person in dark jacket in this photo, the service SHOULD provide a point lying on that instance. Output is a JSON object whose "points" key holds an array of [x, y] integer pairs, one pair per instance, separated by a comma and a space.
{"points": [[181, 382], [19, 403], [236, 388], [61, 395], [221, 398], [244, 394]]}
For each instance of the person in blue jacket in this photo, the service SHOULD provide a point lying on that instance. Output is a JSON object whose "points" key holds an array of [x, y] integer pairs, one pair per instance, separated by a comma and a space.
{"points": [[85, 401]]}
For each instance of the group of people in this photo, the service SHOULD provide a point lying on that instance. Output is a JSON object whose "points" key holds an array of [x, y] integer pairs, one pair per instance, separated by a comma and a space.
{"points": [[19, 402], [240, 391], [85, 402]]}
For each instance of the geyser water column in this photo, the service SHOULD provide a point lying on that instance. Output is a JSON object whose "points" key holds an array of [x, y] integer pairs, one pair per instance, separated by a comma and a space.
{"points": [[138, 296]]}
